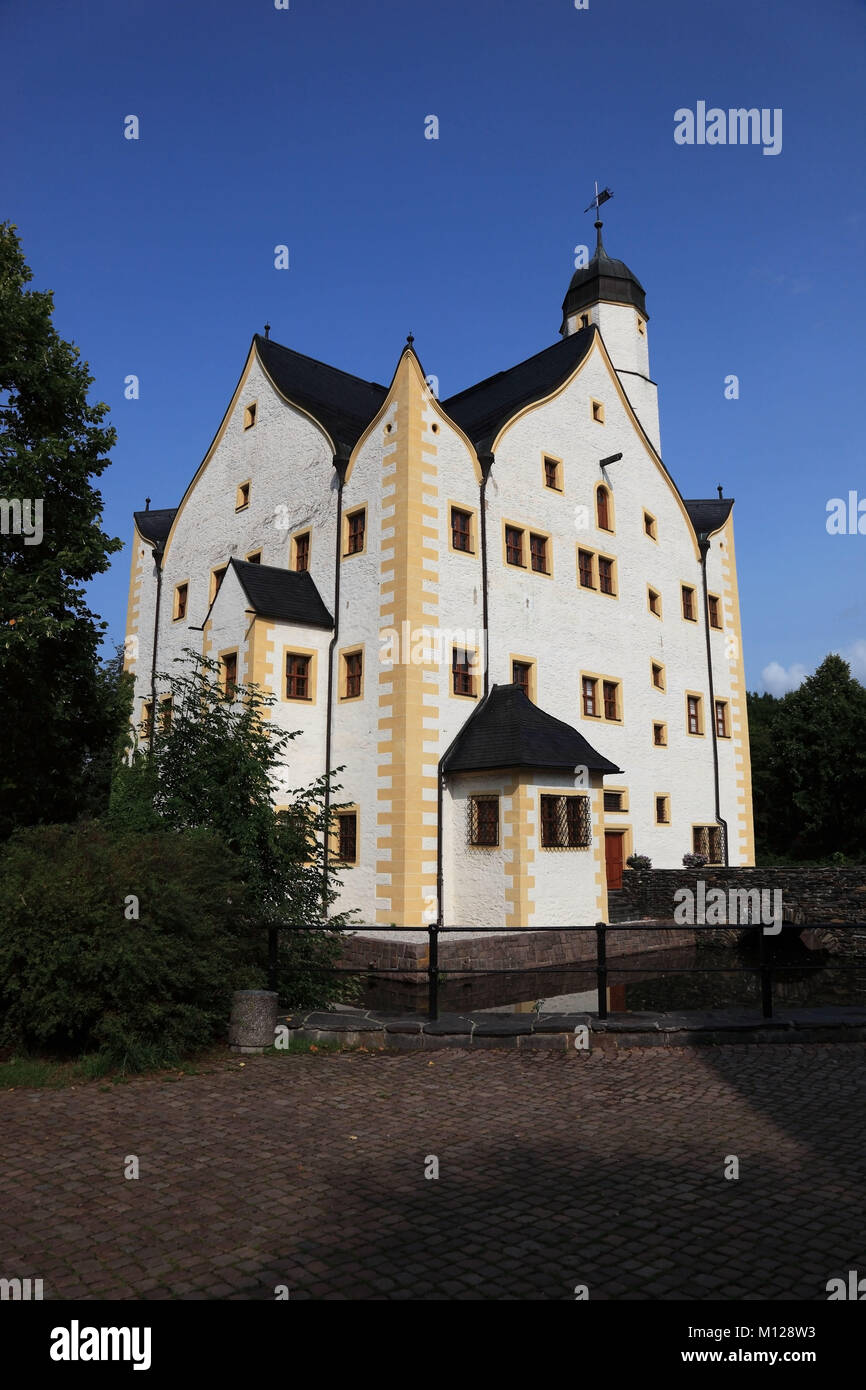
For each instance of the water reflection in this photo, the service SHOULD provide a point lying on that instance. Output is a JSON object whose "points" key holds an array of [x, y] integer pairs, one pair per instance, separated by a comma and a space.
{"points": [[654, 982]]}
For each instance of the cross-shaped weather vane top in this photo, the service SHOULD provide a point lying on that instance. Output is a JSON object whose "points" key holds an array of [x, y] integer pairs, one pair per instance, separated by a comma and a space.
{"points": [[599, 198]]}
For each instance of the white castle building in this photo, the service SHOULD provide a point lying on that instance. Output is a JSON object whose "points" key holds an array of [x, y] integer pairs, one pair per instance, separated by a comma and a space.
{"points": [[579, 695]]}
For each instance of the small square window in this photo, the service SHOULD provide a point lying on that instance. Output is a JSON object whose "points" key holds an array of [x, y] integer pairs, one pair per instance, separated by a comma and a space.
{"points": [[597, 412], [243, 497], [658, 675], [650, 526], [249, 415], [297, 676], [513, 545], [461, 530], [538, 553], [654, 601], [660, 735], [663, 810], [301, 552], [553, 474], [521, 674], [347, 837], [462, 673], [356, 527], [565, 822], [614, 801]]}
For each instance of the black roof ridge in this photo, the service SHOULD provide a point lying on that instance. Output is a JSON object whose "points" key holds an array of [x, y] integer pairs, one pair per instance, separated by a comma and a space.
{"points": [[319, 362], [495, 376]]}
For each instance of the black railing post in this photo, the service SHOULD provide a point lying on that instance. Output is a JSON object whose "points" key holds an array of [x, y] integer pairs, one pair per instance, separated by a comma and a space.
{"points": [[601, 967], [273, 939], [766, 976], [433, 974]]}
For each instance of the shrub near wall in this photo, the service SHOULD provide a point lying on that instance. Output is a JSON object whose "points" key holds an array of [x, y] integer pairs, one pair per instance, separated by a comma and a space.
{"points": [[80, 972]]}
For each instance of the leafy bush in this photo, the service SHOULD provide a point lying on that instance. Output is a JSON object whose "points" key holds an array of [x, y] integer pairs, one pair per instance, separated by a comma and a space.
{"points": [[639, 862], [79, 973]]}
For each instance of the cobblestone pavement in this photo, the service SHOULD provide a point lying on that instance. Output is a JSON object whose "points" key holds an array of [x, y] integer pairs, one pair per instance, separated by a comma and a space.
{"points": [[554, 1170]]}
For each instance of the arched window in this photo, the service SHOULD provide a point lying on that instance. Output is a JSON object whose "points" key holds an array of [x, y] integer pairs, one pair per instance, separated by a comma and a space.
{"points": [[603, 509]]}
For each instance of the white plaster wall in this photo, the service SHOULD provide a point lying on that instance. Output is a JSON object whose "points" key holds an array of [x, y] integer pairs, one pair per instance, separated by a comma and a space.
{"points": [[568, 629], [565, 892], [475, 881]]}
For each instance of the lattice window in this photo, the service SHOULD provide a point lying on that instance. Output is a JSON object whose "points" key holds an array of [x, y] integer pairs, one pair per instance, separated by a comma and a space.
{"points": [[709, 840], [347, 837], [566, 822], [484, 820]]}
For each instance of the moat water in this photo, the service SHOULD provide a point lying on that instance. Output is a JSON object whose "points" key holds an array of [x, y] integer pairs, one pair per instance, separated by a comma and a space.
{"points": [[704, 976]]}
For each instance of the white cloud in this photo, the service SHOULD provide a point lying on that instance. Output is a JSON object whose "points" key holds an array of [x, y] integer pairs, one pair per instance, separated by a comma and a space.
{"points": [[778, 681]]}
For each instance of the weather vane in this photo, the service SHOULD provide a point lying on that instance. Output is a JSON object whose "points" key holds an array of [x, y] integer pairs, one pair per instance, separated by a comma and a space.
{"points": [[599, 198]]}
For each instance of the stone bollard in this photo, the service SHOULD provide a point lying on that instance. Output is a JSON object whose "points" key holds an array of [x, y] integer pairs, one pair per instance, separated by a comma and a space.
{"points": [[253, 1020]]}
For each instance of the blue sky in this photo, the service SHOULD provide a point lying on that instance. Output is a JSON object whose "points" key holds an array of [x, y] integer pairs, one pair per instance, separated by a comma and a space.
{"points": [[305, 127]]}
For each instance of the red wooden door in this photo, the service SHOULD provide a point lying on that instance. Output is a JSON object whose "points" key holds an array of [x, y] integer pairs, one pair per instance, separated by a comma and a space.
{"points": [[613, 843]]}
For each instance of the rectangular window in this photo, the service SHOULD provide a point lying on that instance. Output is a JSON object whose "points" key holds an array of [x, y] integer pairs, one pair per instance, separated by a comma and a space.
{"points": [[356, 523], [249, 416], [181, 595], [565, 822], [584, 565], [722, 719], [695, 714], [347, 837], [538, 553], [165, 714], [230, 674], [707, 839], [654, 601], [606, 581], [610, 691], [552, 474], [297, 676], [715, 610], [513, 545], [597, 412], [354, 669], [301, 546], [461, 530], [689, 612], [649, 526], [658, 674], [462, 675], [216, 578], [242, 498], [589, 688], [484, 820], [660, 735], [520, 675], [663, 810], [146, 719], [614, 801]]}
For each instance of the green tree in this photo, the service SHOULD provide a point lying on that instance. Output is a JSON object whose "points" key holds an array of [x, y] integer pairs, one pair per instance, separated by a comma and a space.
{"points": [[809, 765], [215, 767], [52, 444]]}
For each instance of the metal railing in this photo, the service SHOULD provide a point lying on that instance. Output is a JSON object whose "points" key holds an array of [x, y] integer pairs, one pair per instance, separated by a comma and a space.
{"points": [[766, 968]]}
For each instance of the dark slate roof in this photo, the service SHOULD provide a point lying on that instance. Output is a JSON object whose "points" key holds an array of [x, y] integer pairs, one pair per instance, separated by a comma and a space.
{"points": [[155, 526], [482, 410], [508, 730], [343, 403], [603, 278], [708, 513], [286, 595]]}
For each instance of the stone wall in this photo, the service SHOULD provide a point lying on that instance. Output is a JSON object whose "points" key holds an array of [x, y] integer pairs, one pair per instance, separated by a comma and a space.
{"points": [[809, 896]]}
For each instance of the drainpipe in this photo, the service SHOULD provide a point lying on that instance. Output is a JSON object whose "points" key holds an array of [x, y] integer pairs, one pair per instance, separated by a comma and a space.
{"points": [[158, 555], [704, 545], [486, 461], [340, 466]]}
